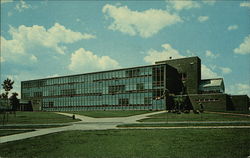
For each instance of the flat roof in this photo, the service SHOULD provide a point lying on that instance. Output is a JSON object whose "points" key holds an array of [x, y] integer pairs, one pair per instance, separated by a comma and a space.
{"points": [[214, 82], [175, 59]]}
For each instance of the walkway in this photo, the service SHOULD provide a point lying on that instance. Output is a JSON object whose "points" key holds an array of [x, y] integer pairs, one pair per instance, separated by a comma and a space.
{"points": [[86, 123], [225, 113], [89, 123]]}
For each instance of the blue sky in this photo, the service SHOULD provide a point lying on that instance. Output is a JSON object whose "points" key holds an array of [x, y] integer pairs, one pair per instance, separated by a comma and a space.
{"points": [[51, 38]]}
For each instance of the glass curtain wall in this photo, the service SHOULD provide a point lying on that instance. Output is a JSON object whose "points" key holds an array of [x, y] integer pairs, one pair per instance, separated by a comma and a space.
{"points": [[138, 88]]}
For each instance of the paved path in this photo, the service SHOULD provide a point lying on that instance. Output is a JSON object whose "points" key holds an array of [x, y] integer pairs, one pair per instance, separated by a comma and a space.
{"points": [[225, 113], [187, 127], [194, 122], [89, 123], [86, 123]]}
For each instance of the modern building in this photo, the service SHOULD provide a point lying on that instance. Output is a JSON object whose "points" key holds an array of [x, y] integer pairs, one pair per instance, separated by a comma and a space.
{"points": [[215, 85], [152, 87]]}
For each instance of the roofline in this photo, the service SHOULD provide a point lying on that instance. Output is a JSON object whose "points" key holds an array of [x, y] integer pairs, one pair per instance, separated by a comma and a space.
{"points": [[177, 59], [46, 78], [212, 79], [239, 95]]}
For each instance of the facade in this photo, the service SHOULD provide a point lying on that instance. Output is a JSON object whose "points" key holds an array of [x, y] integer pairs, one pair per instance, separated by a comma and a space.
{"points": [[152, 87], [189, 73], [210, 102], [239, 102], [138, 88]]}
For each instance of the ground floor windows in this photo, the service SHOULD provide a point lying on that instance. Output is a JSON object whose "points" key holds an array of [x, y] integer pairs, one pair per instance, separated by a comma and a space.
{"points": [[136, 101], [124, 101]]}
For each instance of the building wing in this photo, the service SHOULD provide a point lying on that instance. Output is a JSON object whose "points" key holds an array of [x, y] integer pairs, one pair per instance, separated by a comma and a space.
{"points": [[215, 85]]}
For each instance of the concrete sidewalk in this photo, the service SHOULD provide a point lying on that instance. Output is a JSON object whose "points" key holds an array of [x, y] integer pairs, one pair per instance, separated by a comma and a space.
{"points": [[86, 123], [225, 113]]}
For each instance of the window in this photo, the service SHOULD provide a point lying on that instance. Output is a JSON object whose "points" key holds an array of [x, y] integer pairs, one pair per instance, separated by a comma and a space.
{"points": [[129, 73], [136, 72], [158, 94], [183, 76], [123, 101], [147, 100], [116, 89], [38, 94], [158, 76], [139, 86], [133, 73], [51, 104], [26, 95], [68, 91]]}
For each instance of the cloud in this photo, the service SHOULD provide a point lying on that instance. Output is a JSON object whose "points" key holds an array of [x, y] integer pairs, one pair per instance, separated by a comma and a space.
{"points": [[239, 88], [211, 55], [203, 18], [25, 38], [10, 13], [144, 24], [167, 52], [244, 47], [54, 75], [6, 1], [22, 5], [232, 27], [13, 50], [33, 58], [183, 4], [209, 2], [225, 70], [86, 61], [190, 53], [245, 4], [207, 73], [2, 60]]}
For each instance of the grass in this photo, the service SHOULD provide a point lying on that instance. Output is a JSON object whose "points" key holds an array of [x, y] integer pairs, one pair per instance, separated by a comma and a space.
{"points": [[31, 126], [183, 124], [166, 117], [174, 143], [10, 132], [37, 118], [104, 114]]}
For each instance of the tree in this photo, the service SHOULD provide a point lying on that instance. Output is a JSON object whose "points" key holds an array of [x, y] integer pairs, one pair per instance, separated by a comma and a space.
{"points": [[4, 95], [14, 102], [7, 86]]}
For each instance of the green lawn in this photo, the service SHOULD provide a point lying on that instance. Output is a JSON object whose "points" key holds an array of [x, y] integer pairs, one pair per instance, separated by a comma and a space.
{"points": [[174, 143], [166, 117], [37, 118], [237, 112], [103, 114], [183, 124], [10, 132]]}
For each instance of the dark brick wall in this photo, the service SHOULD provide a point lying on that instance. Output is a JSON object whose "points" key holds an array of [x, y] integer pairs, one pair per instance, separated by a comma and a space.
{"points": [[210, 102], [191, 67], [173, 81], [239, 102]]}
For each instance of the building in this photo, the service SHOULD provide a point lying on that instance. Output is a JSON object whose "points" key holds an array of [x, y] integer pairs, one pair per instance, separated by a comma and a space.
{"points": [[215, 85], [152, 87]]}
